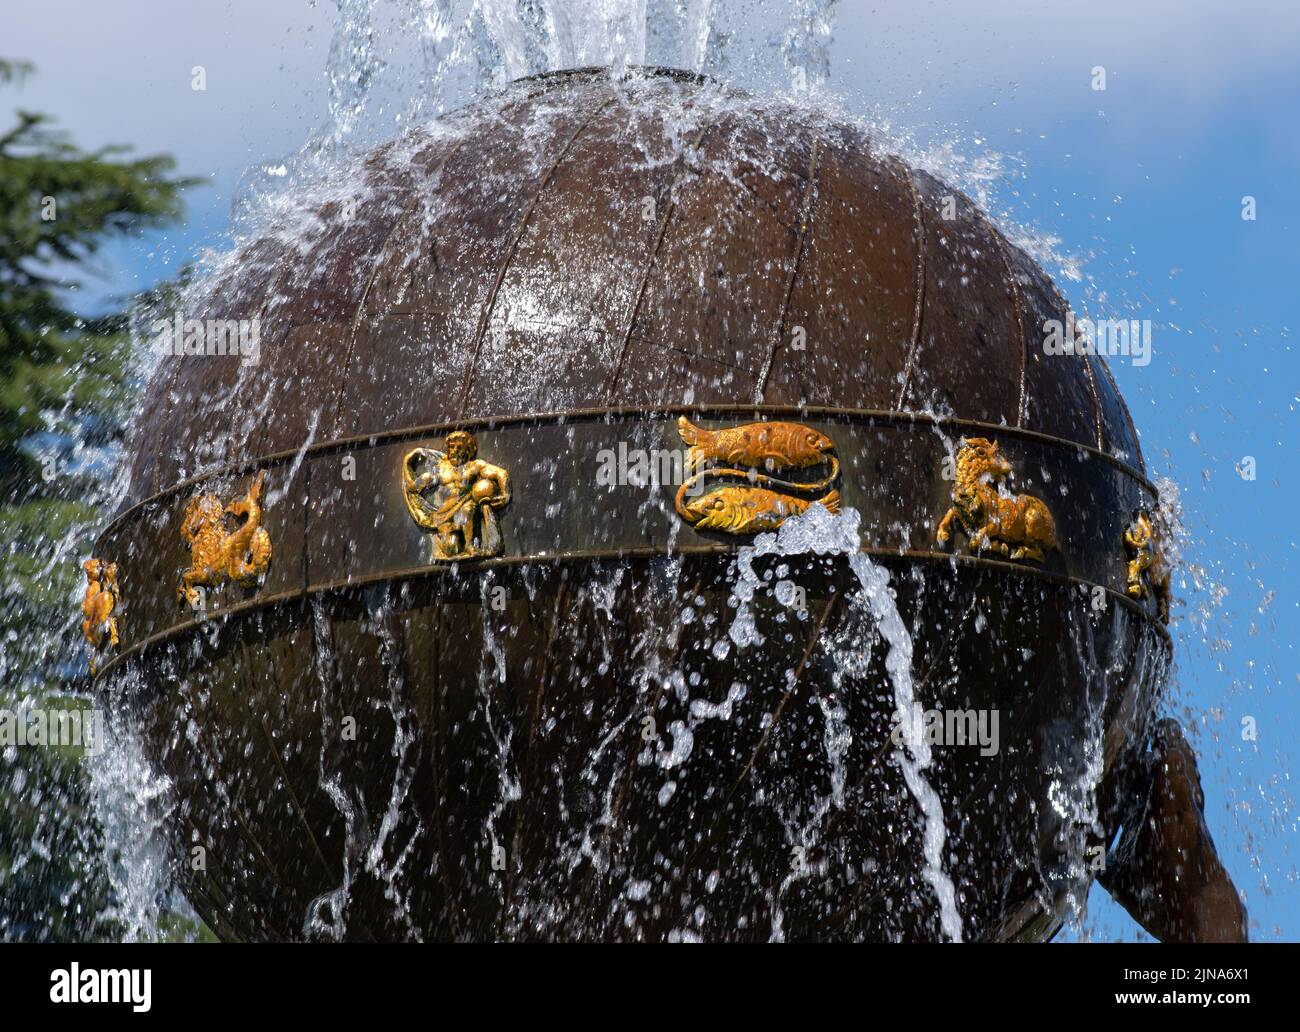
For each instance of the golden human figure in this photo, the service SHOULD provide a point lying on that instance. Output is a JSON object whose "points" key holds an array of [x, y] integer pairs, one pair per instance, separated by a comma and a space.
{"points": [[98, 605], [456, 494]]}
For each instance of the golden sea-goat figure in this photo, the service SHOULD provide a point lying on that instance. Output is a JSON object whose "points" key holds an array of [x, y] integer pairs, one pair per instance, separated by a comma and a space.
{"points": [[242, 555]]}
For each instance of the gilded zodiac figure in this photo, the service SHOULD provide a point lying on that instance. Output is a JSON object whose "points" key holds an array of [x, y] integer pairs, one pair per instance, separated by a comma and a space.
{"points": [[1147, 572], [218, 554], [1020, 527], [765, 445], [456, 495], [749, 510], [98, 605], [738, 453]]}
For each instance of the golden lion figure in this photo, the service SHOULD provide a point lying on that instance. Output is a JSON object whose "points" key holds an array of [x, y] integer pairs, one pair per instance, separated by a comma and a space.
{"points": [[98, 605], [218, 554], [1020, 527], [1147, 572]]}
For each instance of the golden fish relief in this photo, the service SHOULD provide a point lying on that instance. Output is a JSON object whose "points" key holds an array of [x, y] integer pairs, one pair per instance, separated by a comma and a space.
{"points": [[753, 453], [750, 510], [769, 445]]}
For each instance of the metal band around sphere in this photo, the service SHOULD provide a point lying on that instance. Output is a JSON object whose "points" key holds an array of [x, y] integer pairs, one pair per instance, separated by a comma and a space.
{"points": [[337, 514]]}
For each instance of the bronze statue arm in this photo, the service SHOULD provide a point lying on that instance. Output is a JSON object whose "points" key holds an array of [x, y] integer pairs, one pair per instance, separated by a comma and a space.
{"points": [[1165, 871]]}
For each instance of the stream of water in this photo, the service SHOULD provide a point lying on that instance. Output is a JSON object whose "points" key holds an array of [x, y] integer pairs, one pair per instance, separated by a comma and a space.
{"points": [[818, 532]]}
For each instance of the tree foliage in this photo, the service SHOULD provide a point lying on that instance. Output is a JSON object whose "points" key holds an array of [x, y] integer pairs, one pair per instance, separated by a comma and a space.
{"points": [[62, 400]]}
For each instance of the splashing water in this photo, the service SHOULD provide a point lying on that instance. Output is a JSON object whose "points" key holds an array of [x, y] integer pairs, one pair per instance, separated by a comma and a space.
{"points": [[132, 802], [397, 63], [819, 532]]}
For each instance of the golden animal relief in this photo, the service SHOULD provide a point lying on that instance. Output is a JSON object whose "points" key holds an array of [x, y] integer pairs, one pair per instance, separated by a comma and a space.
{"points": [[1148, 575], [1017, 526], [751, 454], [98, 605], [227, 543], [456, 495]]}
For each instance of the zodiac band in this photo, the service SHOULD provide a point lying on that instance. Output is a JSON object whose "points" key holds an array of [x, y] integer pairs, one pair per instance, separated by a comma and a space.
{"points": [[737, 481]]}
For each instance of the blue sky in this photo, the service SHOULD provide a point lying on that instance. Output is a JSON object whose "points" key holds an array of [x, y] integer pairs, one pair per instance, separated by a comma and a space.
{"points": [[1140, 185]]}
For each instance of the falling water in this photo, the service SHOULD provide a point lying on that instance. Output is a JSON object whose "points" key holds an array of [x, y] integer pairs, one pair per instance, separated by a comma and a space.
{"points": [[133, 803], [818, 532]]}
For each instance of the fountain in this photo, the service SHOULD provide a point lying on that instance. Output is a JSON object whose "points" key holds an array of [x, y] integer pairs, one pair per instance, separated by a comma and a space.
{"points": [[410, 668]]}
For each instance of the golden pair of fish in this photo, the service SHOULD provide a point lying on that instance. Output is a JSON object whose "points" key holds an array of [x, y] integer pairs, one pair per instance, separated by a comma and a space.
{"points": [[750, 509]]}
